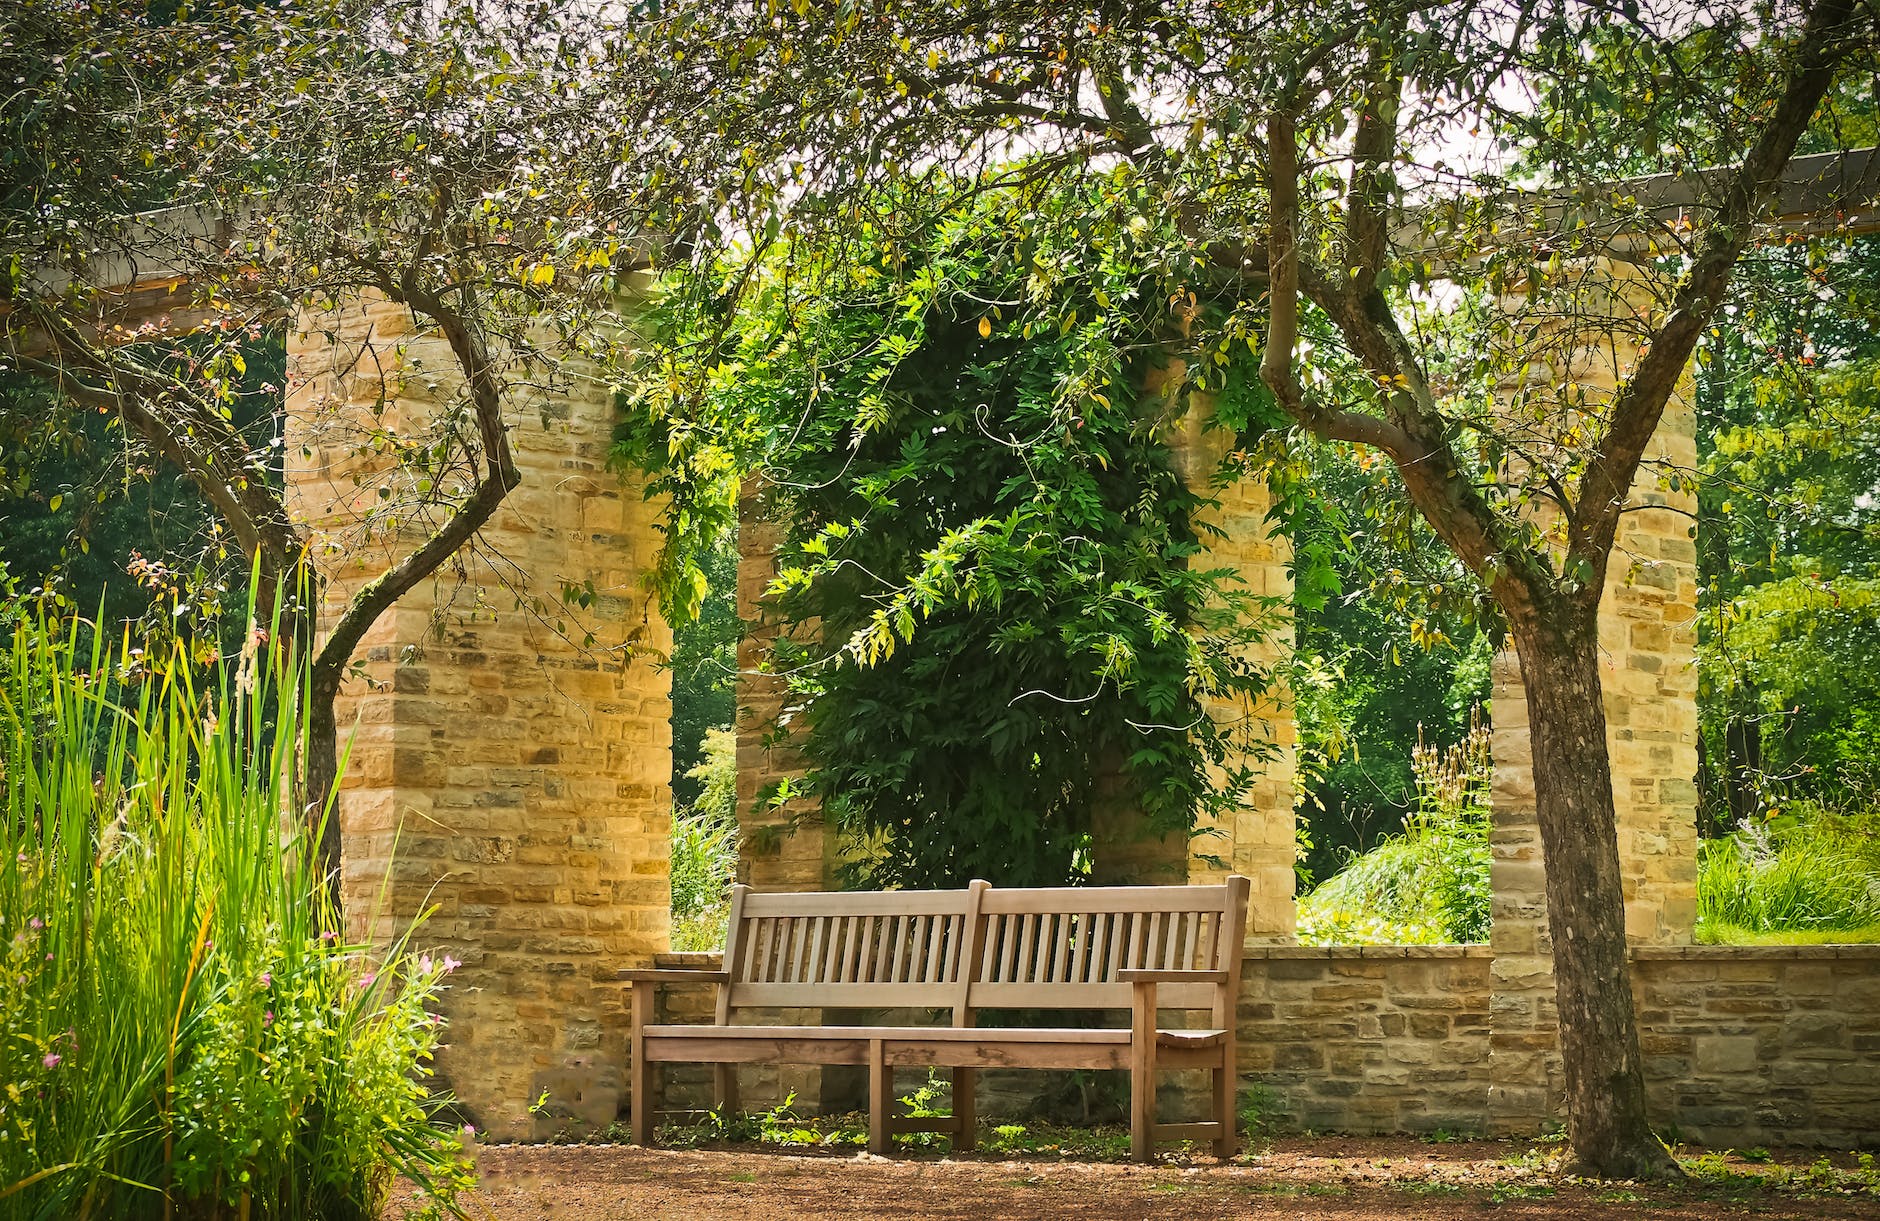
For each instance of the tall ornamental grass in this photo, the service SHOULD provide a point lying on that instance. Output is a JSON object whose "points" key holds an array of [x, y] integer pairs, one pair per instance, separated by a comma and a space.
{"points": [[705, 849], [1816, 878], [185, 1034]]}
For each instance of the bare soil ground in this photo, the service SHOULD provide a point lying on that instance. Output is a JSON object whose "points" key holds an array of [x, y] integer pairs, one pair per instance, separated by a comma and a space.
{"points": [[1305, 1179]]}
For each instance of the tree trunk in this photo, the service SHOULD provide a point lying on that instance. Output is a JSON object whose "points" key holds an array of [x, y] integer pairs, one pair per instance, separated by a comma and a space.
{"points": [[320, 773], [1599, 1045]]}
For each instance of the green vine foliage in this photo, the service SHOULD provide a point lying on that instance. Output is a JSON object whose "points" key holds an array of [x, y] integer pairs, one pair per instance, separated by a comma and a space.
{"points": [[998, 621]]}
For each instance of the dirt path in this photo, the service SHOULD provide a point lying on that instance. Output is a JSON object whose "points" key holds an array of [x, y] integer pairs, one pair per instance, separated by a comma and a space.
{"points": [[1304, 1180]]}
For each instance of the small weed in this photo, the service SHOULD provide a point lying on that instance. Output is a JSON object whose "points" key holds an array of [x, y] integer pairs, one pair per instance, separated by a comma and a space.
{"points": [[1447, 1136], [1258, 1107], [742, 1176], [1296, 1189], [1757, 1154], [1432, 1189], [1518, 1191], [1620, 1197], [1533, 1159], [1007, 1138]]}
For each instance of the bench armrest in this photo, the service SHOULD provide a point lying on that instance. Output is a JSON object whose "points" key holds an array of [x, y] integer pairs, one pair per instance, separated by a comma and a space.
{"points": [[673, 975], [1147, 975]]}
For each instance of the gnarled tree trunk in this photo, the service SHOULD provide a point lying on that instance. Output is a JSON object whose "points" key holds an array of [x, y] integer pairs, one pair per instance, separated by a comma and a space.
{"points": [[1599, 1044]]}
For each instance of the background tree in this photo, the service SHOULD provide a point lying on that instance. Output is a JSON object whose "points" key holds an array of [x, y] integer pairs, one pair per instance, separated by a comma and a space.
{"points": [[1335, 161], [1392, 653], [479, 165], [1789, 395]]}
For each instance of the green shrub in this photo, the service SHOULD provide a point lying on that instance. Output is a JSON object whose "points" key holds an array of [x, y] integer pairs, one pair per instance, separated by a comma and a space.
{"points": [[186, 1035], [1429, 885], [1811, 872]]}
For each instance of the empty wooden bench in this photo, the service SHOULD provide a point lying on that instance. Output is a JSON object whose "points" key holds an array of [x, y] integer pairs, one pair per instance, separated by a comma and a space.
{"points": [[1137, 948]]}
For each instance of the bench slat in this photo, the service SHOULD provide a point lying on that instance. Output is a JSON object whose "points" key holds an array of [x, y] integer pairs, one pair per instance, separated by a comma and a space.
{"points": [[856, 903], [1101, 899], [843, 996]]}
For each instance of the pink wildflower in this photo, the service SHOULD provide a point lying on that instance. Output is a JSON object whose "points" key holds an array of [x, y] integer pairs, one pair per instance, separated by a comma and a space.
{"points": [[266, 980], [450, 964], [267, 1019], [35, 923], [52, 1059]]}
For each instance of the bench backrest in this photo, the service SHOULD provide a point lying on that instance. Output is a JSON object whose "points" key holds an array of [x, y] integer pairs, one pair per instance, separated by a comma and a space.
{"points": [[980, 948]]}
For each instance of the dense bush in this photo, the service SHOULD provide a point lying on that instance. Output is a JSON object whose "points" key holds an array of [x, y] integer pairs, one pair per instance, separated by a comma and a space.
{"points": [[186, 1034], [1428, 885]]}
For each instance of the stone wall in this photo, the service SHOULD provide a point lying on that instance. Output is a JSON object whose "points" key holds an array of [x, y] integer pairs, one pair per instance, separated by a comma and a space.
{"points": [[1762, 1045], [1367, 1038], [503, 771], [1743, 1046]]}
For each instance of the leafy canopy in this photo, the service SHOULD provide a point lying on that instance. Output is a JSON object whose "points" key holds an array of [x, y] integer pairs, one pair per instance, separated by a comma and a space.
{"points": [[996, 625]]}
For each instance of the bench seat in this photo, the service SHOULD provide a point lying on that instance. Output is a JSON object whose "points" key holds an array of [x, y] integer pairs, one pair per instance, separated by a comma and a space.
{"points": [[919, 1046], [937, 1034]]}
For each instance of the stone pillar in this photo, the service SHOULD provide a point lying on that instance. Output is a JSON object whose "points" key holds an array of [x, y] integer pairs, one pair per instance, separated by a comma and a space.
{"points": [[1525, 1085], [1648, 639], [782, 846], [504, 771], [1258, 839]]}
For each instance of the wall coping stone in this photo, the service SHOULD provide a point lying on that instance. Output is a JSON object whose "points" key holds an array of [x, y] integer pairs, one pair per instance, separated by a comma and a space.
{"points": [[1344, 952], [1755, 953]]}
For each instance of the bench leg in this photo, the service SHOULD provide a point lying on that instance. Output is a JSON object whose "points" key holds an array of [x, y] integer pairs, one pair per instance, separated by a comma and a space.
{"points": [[1142, 1077], [965, 1113], [725, 1089], [640, 1076], [880, 1097], [1224, 1082]]}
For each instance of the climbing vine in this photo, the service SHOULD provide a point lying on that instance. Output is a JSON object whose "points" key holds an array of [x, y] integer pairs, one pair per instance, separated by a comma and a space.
{"points": [[999, 615]]}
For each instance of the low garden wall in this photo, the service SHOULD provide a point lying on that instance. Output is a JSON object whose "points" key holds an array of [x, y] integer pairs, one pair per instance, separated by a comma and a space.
{"points": [[1367, 1038], [1762, 1045], [1743, 1045]]}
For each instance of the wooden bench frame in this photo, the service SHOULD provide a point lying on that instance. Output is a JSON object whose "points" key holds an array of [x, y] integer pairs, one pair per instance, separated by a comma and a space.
{"points": [[1139, 948]]}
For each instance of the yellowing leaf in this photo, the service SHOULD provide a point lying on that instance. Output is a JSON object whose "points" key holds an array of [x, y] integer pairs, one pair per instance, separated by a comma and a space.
{"points": [[985, 328]]}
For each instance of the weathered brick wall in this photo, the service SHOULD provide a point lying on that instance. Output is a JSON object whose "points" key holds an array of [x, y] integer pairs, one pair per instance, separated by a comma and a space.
{"points": [[1743, 1045], [502, 769], [1762, 1045]]}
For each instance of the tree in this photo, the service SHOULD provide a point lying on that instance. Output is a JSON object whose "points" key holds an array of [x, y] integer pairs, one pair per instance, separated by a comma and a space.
{"points": [[1791, 540], [482, 166], [1348, 167]]}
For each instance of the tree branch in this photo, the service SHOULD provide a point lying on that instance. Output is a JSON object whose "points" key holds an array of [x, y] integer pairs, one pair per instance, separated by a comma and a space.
{"points": [[1640, 403], [497, 479]]}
